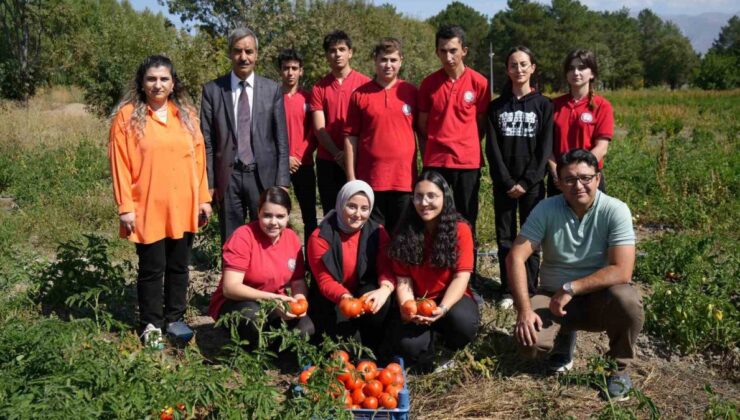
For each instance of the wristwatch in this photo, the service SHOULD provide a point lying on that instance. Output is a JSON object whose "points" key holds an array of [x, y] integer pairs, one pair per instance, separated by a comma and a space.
{"points": [[568, 288]]}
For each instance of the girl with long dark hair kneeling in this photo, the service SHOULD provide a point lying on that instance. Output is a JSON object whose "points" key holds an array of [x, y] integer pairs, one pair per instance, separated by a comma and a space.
{"points": [[432, 257]]}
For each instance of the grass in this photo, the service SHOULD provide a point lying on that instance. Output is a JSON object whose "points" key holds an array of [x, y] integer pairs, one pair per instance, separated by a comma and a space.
{"points": [[65, 298]]}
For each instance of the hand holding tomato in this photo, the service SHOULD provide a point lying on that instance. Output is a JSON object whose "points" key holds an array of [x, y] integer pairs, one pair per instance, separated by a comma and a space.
{"points": [[376, 299], [350, 307]]}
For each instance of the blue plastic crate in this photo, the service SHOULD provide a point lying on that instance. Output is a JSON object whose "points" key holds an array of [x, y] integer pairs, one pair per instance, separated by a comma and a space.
{"points": [[399, 413]]}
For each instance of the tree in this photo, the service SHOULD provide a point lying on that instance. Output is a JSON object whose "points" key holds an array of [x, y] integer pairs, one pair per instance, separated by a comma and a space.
{"points": [[475, 25], [719, 67], [667, 54], [618, 50], [728, 41]]}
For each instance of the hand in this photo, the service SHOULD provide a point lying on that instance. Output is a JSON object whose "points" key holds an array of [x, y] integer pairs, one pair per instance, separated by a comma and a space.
{"points": [[428, 320], [378, 297], [527, 325], [283, 309], [128, 221], [558, 302], [294, 164], [211, 191], [516, 191]]}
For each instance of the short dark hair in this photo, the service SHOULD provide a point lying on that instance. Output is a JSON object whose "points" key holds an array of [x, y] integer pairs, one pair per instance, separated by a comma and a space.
{"points": [[275, 195], [387, 46], [336, 37], [449, 32], [578, 156], [289, 54]]}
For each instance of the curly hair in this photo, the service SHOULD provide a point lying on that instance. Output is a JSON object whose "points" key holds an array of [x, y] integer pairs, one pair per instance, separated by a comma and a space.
{"points": [[136, 96], [407, 245]]}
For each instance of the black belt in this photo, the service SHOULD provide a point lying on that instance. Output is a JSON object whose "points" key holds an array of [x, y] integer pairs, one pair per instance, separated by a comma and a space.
{"points": [[241, 166]]}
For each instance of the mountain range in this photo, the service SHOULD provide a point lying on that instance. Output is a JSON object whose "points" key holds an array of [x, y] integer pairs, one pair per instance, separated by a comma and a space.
{"points": [[700, 29]]}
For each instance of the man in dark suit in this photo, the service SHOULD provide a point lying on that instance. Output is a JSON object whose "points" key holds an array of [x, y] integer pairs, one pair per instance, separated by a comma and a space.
{"points": [[243, 122]]}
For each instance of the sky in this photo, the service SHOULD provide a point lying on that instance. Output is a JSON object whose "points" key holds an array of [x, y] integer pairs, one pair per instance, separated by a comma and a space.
{"points": [[423, 9]]}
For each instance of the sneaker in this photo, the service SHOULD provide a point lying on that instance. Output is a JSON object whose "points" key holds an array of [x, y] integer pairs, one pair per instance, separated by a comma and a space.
{"points": [[152, 337], [506, 302], [179, 330], [561, 357], [618, 387]]}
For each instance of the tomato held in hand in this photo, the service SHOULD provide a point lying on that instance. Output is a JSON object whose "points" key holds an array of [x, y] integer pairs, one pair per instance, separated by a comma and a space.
{"points": [[367, 305], [350, 307], [408, 308], [299, 307], [426, 307]]}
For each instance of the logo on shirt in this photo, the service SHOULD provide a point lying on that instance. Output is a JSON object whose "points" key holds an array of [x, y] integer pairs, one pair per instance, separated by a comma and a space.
{"points": [[406, 108], [518, 123], [469, 96], [291, 264], [587, 117]]}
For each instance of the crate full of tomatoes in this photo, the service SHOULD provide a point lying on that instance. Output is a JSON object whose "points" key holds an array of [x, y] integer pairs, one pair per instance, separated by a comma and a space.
{"points": [[371, 392]]}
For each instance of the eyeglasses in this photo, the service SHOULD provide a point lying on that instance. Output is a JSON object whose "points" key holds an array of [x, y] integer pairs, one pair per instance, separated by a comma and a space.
{"points": [[419, 197], [516, 66], [585, 179]]}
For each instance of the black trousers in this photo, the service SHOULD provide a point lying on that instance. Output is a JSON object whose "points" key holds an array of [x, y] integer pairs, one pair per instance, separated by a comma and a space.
{"points": [[465, 184], [166, 259], [505, 209], [304, 186], [388, 208], [330, 178], [371, 328], [416, 343], [248, 328], [553, 190], [239, 201]]}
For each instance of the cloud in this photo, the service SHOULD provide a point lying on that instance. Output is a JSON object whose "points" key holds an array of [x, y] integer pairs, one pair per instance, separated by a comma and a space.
{"points": [[673, 7]]}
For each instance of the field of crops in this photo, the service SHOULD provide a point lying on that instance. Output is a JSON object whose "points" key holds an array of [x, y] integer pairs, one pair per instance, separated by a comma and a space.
{"points": [[66, 298]]}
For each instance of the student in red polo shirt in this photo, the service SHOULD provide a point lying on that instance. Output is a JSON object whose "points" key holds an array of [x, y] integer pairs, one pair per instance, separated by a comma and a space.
{"points": [[452, 120], [582, 120], [301, 141], [432, 257], [380, 144], [329, 103], [261, 260]]}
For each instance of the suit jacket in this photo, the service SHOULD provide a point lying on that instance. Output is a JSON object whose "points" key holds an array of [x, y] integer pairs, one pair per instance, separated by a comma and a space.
{"points": [[269, 133]]}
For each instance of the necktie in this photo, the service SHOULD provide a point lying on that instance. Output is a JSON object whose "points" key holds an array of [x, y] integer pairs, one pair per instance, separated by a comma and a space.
{"points": [[243, 127]]}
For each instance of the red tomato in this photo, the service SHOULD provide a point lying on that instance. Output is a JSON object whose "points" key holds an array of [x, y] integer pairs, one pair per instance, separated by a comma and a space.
{"points": [[306, 374], [393, 390], [370, 403], [394, 367], [341, 354], [354, 382], [368, 368], [358, 396], [367, 305], [350, 307], [408, 308], [387, 401], [373, 388], [347, 400], [299, 307], [346, 372], [398, 379], [426, 307], [385, 377]]}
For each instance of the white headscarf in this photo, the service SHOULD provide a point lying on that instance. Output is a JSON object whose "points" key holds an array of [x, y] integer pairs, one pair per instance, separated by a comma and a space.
{"points": [[348, 190]]}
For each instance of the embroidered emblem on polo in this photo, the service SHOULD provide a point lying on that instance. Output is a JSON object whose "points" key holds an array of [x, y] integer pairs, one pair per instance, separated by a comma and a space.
{"points": [[469, 96], [406, 108], [291, 264], [587, 117]]}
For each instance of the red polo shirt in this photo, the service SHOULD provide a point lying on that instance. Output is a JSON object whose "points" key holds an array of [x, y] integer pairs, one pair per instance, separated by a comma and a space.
{"points": [[383, 121], [332, 288], [301, 141], [432, 281], [266, 266], [330, 96], [452, 128], [576, 126]]}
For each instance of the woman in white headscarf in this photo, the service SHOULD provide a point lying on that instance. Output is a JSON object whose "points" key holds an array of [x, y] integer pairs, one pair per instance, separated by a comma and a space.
{"points": [[347, 256]]}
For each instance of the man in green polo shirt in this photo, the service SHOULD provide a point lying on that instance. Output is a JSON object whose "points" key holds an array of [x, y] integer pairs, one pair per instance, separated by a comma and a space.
{"points": [[588, 254]]}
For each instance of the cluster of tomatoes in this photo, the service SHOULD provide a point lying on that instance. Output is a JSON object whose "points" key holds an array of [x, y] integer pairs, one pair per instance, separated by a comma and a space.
{"points": [[423, 307], [168, 413], [352, 307], [365, 385]]}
